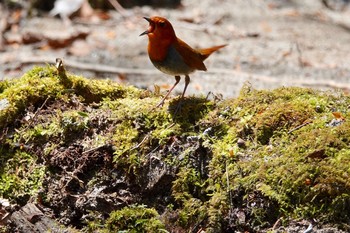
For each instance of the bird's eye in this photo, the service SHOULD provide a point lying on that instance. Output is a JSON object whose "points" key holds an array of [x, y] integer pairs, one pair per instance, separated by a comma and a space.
{"points": [[162, 24]]}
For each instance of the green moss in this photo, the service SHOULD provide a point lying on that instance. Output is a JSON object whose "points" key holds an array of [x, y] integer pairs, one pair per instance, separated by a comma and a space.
{"points": [[135, 219], [300, 171], [125, 140], [23, 102], [142, 127], [21, 176], [193, 212], [31, 89], [42, 83], [189, 191], [292, 164], [96, 90], [74, 121], [187, 112], [184, 185], [3, 85], [280, 117], [218, 209]]}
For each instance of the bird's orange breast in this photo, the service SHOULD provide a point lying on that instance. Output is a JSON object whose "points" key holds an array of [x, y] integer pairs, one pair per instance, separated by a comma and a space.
{"points": [[175, 58]]}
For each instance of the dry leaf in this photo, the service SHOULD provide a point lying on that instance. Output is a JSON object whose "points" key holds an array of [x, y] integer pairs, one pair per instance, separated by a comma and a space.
{"points": [[338, 115]]}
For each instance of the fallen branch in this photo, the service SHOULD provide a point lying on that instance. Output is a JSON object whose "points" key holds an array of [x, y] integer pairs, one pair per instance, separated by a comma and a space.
{"points": [[299, 127], [100, 68], [118, 7]]}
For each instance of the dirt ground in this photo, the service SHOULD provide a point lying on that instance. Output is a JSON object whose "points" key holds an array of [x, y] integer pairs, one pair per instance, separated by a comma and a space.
{"points": [[270, 44]]}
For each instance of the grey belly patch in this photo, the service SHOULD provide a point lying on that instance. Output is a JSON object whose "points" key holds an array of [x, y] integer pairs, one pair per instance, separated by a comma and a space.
{"points": [[173, 64]]}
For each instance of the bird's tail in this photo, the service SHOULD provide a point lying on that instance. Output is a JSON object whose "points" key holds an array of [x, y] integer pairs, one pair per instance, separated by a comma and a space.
{"points": [[206, 52]]}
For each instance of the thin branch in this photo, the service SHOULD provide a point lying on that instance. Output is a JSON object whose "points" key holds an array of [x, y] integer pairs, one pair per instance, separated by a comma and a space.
{"points": [[99, 68], [118, 7], [299, 126], [94, 149], [300, 55], [36, 113]]}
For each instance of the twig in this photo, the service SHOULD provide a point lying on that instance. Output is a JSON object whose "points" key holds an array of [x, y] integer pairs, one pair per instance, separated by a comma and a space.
{"points": [[3, 25], [36, 113], [99, 68], [277, 223], [118, 7], [74, 176], [199, 26], [286, 54], [300, 55], [228, 185], [298, 127], [143, 140], [93, 149]]}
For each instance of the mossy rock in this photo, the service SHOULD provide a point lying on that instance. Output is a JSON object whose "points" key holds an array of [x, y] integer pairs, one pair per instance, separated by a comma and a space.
{"points": [[231, 165]]}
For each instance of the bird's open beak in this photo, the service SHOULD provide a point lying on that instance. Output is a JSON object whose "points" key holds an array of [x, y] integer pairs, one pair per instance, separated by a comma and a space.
{"points": [[144, 33], [148, 19], [147, 31]]}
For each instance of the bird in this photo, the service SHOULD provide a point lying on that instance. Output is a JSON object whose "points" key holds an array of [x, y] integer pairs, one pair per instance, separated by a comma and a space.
{"points": [[65, 8], [171, 55]]}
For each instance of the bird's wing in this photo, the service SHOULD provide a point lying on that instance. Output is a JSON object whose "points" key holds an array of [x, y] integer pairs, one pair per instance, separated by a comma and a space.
{"points": [[191, 57]]}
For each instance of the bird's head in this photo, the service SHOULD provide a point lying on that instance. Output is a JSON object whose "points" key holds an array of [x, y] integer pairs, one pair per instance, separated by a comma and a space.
{"points": [[159, 28]]}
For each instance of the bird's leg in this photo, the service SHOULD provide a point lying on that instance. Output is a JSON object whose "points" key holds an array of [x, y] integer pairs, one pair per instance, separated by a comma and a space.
{"points": [[179, 105], [187, 81], [177, 80]]}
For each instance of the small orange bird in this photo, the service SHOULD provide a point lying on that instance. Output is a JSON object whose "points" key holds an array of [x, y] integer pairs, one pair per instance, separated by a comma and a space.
{"points": [[171, 55]]}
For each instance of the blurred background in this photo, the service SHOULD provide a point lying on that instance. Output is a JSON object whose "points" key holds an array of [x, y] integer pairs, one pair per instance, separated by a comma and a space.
{"points": [[271, 43]]}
